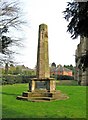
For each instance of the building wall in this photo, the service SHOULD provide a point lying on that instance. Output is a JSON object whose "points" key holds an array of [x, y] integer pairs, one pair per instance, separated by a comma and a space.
{"points": [[54, 72]]}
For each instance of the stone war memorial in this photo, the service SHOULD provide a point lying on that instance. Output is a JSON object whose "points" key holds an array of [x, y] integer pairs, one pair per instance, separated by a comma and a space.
{"points": [[42, 88]]}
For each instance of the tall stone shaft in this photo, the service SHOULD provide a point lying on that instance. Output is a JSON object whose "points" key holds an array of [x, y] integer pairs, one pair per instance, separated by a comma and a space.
{"points": [[42, 53]]}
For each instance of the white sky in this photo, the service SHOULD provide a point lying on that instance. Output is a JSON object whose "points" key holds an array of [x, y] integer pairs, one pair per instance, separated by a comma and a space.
{"points": [[61, 46]]}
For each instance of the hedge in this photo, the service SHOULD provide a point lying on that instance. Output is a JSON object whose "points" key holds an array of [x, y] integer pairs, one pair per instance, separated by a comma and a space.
{"points": [[12, 79], [64, 77]]}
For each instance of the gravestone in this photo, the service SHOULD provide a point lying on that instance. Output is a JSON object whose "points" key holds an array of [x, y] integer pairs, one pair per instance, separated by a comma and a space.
{"points": [[42, 87]]}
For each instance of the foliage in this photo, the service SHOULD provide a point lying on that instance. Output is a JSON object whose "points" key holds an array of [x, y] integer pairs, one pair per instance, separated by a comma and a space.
{"points": [[19, 70], [53, 64], [74, 107], [71, 67], [77, 14], [13, 79], [64, 77], [5, 44], [17, 74]]}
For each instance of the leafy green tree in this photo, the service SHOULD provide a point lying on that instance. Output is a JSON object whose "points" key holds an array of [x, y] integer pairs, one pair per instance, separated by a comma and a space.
{"points": [[12, 69], [18, 70]]}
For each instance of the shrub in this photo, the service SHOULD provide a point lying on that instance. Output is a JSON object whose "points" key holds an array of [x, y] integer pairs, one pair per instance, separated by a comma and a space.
{"points": [[26, 79], [12, 79], [8, 79], [64, 77]]}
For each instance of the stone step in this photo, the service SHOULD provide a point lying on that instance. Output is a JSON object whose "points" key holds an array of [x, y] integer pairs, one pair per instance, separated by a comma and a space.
{"points": [[22, 98], [34, 98], [37, 94], [41, 98], [25, 94]]}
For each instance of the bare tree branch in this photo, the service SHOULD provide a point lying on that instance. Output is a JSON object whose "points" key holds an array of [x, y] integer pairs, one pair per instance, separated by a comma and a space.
{"points": [[10, 16]]}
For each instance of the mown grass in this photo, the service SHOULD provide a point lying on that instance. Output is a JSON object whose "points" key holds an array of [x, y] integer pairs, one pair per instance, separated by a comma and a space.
{"points": [[74, 107]]}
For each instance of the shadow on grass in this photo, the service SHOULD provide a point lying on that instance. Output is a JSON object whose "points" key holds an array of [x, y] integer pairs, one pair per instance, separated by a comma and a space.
{"points": [[4, 93]]}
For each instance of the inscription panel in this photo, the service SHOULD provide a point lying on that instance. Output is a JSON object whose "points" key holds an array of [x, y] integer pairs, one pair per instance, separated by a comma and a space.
{"points": [[40, 85]]}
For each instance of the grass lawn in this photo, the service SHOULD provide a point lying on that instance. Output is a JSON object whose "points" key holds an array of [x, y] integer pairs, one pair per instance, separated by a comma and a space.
{"points": [[74, 107]]}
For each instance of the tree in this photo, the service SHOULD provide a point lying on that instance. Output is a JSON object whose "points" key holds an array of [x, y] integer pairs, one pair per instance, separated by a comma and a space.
{"points": [[10, 17], [77, 15], [71, 67], [53, 64]]}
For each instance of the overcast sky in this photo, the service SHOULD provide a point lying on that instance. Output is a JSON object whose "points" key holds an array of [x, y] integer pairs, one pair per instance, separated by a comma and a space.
{"points": [[61, 46]]}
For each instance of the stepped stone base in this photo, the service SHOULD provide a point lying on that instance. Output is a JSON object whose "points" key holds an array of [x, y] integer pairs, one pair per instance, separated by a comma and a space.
{"points": [[42, 90], [38, 96]]}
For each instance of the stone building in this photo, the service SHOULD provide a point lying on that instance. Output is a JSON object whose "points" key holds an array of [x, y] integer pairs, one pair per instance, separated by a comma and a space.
{"points": [[81, 76]]}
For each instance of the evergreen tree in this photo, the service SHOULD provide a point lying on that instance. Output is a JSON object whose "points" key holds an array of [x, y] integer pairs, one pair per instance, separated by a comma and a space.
{"points": [[77, 15]]}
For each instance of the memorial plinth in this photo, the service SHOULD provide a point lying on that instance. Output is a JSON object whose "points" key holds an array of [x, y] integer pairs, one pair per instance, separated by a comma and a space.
{"points": [[42, 87]]}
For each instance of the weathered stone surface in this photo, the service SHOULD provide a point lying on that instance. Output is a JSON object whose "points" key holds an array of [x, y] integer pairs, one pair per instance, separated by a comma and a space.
{"points": [[42, 53], [40, 96], [48, 84], [84, 80], [82, 77]]}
